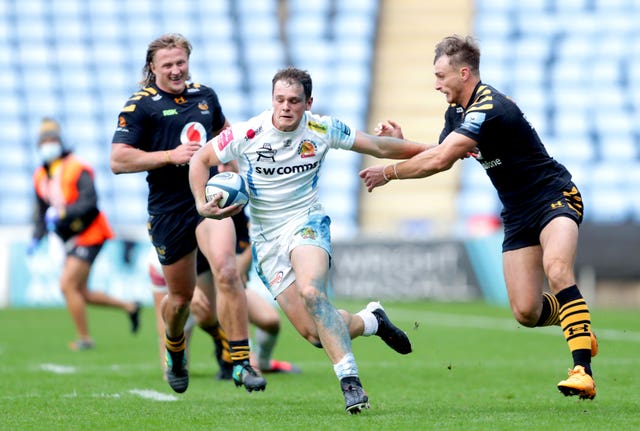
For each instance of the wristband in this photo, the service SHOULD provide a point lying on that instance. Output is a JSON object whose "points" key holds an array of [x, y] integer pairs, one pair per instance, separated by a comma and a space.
{"points": [[395, 171], [384, 175]]}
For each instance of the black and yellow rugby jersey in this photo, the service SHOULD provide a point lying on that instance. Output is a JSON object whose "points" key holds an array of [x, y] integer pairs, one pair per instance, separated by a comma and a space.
{"points": [[511, 151], [152, 120]]}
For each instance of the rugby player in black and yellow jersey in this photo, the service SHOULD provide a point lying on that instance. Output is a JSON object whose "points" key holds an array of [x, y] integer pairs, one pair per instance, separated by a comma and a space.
{"points": [[160, 127], [542, 207]]}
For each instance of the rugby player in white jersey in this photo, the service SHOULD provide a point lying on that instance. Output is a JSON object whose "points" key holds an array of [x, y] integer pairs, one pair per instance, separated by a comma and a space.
{"points": [[280, 154]]}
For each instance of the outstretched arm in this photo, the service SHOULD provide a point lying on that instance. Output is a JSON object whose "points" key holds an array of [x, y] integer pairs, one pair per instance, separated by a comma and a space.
{"points": [[386, 147], [428, 162]]}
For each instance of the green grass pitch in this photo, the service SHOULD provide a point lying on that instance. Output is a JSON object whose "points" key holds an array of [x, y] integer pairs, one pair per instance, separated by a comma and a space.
{"points": [[473, 368]]}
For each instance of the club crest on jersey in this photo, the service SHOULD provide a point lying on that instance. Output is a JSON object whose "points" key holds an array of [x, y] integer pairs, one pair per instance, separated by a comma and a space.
{"points": [[307, 149], [203, 106], [308, 233], [193, 132]]}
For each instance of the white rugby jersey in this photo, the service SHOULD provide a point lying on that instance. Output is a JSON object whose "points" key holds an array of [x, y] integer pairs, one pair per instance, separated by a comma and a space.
{"points": [[281, 168]]}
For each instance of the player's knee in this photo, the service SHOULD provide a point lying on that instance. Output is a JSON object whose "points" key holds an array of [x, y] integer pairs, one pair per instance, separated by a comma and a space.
{"points": [[525, 316], [310, 296], [226, 279], [178, 301], [559, 273], [271, 327]]}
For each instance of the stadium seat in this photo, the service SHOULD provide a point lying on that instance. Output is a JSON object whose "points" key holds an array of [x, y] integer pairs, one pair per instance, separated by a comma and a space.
{"points": [[618, 147], [571, 148], [367, 8], [615, 120], [495, 7], [34, 9], [306, 25], [489, 25], [572, 6], [534, 23], [607, 205]]}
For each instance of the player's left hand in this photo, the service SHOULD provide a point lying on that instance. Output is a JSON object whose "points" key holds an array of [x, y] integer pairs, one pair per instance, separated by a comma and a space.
{"points": [[373, 177], [389, 128]]}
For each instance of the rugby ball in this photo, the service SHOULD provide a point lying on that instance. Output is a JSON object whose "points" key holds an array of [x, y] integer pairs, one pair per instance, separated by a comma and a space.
{"points": [[232, 187]]}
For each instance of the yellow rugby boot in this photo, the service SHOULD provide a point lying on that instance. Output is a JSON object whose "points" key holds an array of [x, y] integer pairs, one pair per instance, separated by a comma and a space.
{"points": [[578, 383]]}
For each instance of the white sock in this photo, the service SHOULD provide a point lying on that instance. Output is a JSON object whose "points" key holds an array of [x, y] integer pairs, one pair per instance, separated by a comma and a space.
{"points": [[264, 349], [370, 322], [347, 367]]}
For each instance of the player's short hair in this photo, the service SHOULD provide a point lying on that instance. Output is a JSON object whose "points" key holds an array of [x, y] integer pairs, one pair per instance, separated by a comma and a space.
{"points": [[462, 51], [293, 75], [166, 41]]}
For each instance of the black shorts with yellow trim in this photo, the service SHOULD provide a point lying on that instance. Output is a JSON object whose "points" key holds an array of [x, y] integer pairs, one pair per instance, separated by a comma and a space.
{"points": [[173, 234], [523, 229]]}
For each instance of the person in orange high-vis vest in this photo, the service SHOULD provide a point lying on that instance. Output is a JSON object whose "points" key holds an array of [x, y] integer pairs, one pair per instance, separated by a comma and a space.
{"points": [[67, 204]]}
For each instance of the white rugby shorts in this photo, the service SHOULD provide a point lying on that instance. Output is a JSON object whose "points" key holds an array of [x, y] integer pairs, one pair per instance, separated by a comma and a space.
{"points": [[272, 257]]}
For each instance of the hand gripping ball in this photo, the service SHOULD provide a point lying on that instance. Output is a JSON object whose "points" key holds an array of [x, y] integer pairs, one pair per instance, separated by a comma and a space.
{"points": [[232, 187]]}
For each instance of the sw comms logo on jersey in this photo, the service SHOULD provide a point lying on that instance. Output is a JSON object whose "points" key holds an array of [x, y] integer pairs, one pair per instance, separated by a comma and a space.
{"points": [[286, 170], [193, 132]]}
